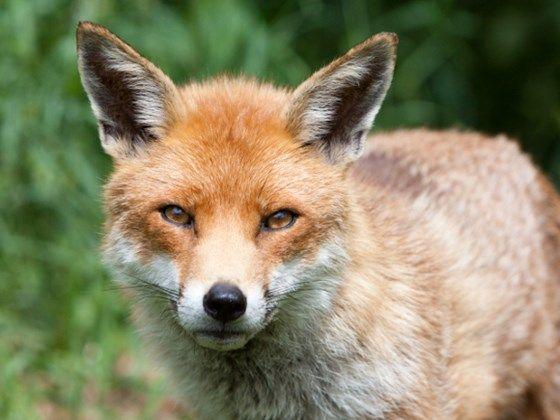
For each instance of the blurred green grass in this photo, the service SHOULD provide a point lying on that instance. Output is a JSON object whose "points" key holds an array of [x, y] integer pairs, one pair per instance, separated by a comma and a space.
{"points": [[66, 347]]}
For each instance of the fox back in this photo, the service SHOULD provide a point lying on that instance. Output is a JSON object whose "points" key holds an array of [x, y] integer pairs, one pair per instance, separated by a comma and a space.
{"points": [[283, 265]]}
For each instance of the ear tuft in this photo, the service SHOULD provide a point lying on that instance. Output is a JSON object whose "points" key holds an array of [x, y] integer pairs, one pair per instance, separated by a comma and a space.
{"points": [[133, 100], [335, 108]]}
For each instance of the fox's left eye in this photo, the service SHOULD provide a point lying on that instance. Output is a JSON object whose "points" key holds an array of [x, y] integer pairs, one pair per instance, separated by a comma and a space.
{"points": [[177, 215], [281, 219]]}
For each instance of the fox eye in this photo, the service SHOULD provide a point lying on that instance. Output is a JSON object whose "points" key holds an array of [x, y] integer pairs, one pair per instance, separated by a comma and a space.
{"points": [[177, 216], [280, 219]]}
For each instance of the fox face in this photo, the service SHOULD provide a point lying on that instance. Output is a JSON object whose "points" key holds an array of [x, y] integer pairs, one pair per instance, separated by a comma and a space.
{"points": [[228, 230], [228, 205]]}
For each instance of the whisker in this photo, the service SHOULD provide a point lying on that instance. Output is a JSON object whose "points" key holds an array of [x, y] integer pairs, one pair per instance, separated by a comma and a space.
{"points": [[155, 287], [150, 292]]}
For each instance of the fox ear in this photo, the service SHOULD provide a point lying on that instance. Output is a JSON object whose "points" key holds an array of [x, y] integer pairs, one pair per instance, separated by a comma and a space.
{"points": [[335, 108], [133, 100]]}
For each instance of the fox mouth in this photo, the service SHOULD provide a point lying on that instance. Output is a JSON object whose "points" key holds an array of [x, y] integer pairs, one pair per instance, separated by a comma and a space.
{"points": [[221, 340], [219, 334]]}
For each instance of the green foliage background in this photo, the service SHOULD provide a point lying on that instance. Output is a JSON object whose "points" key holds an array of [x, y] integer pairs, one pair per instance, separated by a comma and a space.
{"points": [[66, 347]]}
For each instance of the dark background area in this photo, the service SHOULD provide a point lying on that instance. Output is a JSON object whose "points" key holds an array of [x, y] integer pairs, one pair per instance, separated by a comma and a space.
{"points": [[66, 346]]}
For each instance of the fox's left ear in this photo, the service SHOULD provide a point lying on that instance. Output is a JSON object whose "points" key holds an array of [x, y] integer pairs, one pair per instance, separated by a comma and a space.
{"points": [[133, 100], [335, 108]]}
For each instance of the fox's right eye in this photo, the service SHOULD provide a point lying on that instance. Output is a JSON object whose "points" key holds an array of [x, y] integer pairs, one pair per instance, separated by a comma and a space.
{"points": [[177, 216]]}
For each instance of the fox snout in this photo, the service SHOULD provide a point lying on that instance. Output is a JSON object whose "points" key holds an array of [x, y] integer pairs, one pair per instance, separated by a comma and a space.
{"points": [[222, 316], [224, 302]]}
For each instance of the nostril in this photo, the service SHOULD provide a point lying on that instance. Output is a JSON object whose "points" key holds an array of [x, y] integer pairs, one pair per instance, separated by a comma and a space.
{"points": [[224, 302]]}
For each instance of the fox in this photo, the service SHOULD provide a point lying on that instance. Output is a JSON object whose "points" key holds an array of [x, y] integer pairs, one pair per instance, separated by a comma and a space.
{"points": [[283, 263]]}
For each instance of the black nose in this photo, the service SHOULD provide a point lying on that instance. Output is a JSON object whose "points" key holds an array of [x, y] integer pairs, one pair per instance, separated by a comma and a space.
{"points": [[224, 302]]}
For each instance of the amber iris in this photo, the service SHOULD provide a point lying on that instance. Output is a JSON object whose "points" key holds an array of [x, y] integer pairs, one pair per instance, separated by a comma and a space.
{"points": [[177, 215], [281, 219]]}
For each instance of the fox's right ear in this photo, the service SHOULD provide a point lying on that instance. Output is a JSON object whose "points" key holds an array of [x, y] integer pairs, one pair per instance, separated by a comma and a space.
{"points": [[133, 100]]}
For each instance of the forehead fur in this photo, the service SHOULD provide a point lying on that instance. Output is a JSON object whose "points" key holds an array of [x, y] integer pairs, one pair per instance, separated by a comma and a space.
{"points": [[234, 103]]}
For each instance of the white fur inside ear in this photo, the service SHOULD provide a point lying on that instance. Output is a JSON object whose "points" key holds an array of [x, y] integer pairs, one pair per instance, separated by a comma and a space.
{"points": [[149, 95], [322, 105], [335, 108], [129, 96]]}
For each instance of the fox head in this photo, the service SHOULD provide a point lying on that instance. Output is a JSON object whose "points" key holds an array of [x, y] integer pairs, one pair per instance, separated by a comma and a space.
{"points": [[229, 198]]}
